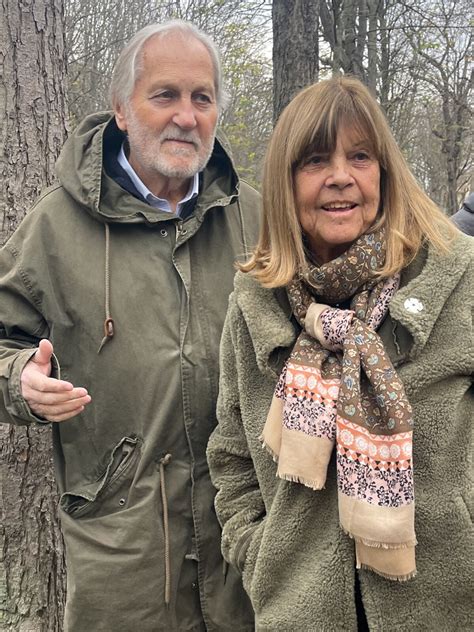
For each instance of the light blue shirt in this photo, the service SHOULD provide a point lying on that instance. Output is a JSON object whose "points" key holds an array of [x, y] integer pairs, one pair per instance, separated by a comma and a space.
{"points": [[151, 198]]}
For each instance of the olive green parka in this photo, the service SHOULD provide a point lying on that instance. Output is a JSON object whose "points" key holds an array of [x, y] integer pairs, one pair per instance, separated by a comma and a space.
{"points": [[136, 498], [297, 564]]}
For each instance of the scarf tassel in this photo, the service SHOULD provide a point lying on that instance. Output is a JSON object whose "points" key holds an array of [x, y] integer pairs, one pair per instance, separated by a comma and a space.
{"points": [[315, 486], [400, 578], [266, 447], [292, 478], [380, 545]]}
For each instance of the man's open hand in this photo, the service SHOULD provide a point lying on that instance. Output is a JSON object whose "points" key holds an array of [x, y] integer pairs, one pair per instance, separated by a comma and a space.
{"points": [[54, 400]]}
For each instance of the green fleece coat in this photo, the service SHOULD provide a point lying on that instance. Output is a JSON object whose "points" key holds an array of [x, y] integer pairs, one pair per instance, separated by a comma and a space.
{"points": [[298, 566], [153, 385]]}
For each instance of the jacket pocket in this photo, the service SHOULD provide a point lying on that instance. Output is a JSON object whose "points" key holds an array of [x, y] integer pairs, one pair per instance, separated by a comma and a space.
{"points": [[109, 492], [248, 552], [240, 551], [463, 504]]}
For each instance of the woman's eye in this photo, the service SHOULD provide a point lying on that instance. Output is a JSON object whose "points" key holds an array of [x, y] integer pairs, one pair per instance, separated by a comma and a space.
{"points": [[312, 161], [361, 155]]}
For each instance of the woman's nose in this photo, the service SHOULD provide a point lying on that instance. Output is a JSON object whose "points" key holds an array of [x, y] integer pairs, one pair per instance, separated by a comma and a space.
{"points": [[339, 173]]}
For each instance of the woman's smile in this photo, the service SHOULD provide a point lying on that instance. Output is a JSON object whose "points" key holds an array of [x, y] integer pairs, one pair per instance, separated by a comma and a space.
{"points": [[338, 207]]}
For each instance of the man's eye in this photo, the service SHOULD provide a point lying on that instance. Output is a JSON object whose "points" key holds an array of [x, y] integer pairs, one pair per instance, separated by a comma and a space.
{"points": [[203, 98], [163, 96]]}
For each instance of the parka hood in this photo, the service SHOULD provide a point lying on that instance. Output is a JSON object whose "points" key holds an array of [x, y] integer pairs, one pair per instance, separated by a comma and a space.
{"points": [[80, 169]]}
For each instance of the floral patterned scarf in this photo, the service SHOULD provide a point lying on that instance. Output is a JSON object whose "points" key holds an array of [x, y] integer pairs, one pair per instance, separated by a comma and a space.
{"points": [[339, 388]]}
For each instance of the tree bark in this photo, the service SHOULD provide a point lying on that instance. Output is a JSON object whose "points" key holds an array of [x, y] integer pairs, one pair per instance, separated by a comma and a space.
{"points": [[32, 128], [295, 49]]}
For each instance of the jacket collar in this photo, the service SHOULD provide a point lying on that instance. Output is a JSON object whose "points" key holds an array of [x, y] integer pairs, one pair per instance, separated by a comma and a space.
{"points": [[81, 173], [426, 285]]}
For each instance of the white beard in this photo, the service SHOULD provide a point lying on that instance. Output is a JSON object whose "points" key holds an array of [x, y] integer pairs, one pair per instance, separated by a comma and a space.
{"points": [[173, 162]]}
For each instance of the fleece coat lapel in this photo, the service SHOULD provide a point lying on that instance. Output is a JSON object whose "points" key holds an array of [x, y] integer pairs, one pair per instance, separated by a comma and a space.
{"points": [[268, 317]]}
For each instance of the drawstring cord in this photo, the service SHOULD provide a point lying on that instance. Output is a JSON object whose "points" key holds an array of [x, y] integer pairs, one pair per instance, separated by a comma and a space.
{"points": [[164, 500], [108, 323], [242, 227]]}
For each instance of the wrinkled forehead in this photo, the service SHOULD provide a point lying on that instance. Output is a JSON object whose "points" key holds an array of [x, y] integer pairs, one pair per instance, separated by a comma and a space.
{"points": [[161, 50]]}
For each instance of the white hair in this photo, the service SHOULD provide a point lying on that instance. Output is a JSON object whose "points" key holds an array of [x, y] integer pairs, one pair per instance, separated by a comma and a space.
{"points": [[127, 66]]}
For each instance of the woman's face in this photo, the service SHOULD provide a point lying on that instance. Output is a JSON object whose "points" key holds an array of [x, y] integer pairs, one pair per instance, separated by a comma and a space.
{"points": [[337, 195]]}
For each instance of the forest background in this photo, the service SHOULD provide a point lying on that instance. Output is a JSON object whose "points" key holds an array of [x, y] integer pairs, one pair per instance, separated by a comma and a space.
{"points": [[56, 60], [415, 55]]}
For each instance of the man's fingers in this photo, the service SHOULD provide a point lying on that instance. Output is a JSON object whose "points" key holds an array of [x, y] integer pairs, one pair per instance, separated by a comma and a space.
{"points": [[36, 381], [65, 416], [44, 352], [63, 409], [50, 398]]}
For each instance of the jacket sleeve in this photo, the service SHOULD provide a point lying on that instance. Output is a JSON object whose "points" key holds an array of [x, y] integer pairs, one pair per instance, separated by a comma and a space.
{"points": [[239, 503], [21, 328]]}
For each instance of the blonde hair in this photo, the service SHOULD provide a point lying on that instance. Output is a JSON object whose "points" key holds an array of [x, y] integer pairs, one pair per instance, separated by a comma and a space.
{"points": [[310, 123]]}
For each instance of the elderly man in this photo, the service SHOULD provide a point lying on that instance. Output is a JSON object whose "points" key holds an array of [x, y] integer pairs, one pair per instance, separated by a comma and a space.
{"points": [[124, 269]]}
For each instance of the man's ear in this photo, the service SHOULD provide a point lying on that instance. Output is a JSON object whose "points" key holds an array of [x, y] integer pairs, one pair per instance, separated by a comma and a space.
{"points": [[120, 116]]}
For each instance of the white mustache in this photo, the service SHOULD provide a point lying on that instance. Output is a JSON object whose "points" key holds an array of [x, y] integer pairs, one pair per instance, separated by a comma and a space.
{"points": [[177, 134]]}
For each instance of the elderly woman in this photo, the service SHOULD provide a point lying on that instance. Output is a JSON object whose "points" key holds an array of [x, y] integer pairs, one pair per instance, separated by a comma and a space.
{"points": [[347, 352]]}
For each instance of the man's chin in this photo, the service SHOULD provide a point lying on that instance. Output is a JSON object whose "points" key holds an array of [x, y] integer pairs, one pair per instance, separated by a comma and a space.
{"points": [[181, 166], [186, 170]]}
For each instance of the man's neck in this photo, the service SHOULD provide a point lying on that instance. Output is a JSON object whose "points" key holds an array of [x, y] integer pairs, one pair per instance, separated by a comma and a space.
{"points": [[173, 190]]}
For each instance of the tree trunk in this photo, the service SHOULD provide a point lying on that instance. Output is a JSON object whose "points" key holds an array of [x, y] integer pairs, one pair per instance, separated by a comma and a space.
{"points": [[385, 70], [32, 128], [374, 6], [295, 49]]}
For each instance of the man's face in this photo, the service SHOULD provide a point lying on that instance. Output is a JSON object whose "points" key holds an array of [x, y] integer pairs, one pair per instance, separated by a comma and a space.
{"points": [[171, 116]]}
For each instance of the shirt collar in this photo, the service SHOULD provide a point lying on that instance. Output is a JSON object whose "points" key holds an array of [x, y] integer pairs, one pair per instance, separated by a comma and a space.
{"points": [[151, 198]]}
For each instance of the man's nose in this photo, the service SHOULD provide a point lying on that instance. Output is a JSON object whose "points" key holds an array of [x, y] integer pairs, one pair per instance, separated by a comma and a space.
{"points": [[185, 116], [339, 173]]}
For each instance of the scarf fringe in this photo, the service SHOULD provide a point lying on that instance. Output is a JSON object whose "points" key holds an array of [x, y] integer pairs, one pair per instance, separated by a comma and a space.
{"points": [[399, 578], [380, 545], [303, 481], [292, 478], [266, 447]]}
